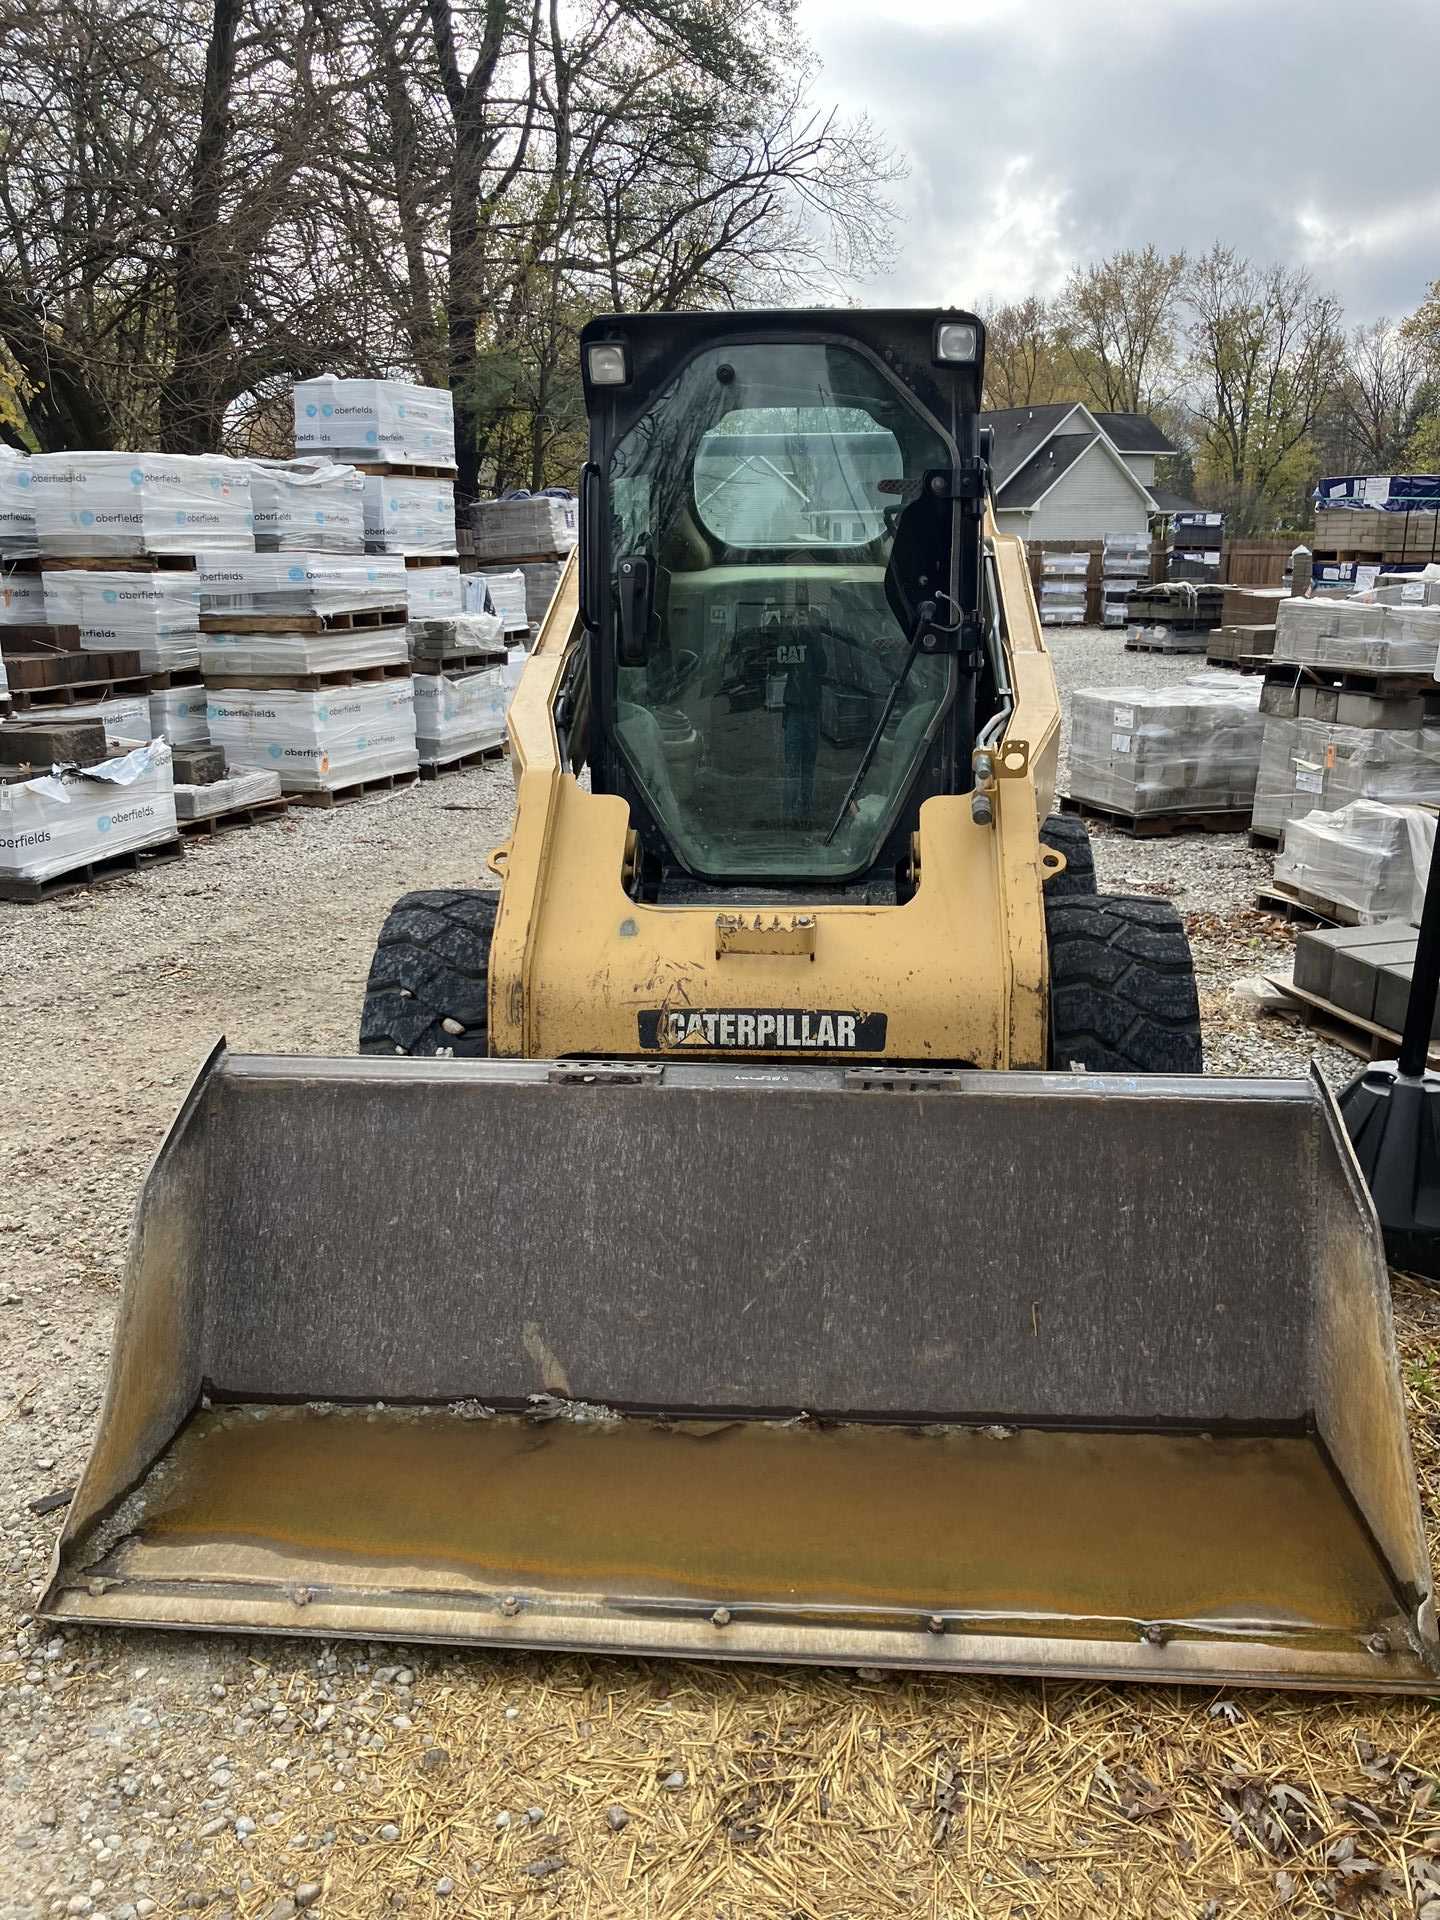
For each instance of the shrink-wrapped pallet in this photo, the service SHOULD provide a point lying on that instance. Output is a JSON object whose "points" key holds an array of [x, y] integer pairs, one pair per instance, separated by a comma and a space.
{"points": [[119, 505], [1372, 858], [1142, 751], [120, 611], [51, 825], [318, 742], [375, 420], [307, 506]]}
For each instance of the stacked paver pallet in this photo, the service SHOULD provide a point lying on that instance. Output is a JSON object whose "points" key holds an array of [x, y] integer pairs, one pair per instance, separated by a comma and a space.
{"points": [[1381, 520], [1064, 587], [1125, 565], [1197, 541], [1152, 758], [463, 683], [531, 534], [1360, 977], [1171, 617], [1350, 706]]}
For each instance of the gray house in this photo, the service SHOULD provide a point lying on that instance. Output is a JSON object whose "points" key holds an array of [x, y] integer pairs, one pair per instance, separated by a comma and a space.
{"points": [[1065, 472]]}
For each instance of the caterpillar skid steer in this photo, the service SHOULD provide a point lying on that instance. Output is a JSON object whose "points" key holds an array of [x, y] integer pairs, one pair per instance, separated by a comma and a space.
{"points": [[785, 1219]]}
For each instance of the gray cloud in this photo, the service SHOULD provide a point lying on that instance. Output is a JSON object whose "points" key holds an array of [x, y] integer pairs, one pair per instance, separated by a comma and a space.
{"points": [[1040, 133]]}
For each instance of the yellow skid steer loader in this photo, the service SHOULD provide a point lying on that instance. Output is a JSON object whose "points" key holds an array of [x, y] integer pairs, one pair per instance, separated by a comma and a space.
{"points": [[786, 1219]]}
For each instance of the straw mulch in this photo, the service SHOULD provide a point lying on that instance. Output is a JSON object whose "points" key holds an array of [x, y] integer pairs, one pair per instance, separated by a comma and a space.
{"points": [[757, 1794]]}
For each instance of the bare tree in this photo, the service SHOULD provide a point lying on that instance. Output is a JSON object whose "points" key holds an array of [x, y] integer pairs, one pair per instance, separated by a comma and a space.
{"points": [[1026, 362], [1266, 356], [1121, 320]]}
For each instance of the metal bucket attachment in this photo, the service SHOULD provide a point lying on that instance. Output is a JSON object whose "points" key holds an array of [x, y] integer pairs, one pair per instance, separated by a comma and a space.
{"points": [[999, 1372]]}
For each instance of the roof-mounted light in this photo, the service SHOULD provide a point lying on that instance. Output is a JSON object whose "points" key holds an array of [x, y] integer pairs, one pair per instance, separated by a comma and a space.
{"points": [[956, 341], [607, 364]]}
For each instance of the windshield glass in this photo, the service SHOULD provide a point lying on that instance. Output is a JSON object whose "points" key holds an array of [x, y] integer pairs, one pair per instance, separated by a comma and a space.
{"points": [[776, 493]]}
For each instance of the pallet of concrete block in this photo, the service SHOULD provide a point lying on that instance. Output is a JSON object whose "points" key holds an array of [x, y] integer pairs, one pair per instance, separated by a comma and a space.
{"points": [[410, 515], [76, 825], [1240, 645], [1157, 636], [1309, 766], [1359, 633], [375, 420], [307, 506], [525, 526], [300, 592], [99, 506], [231, 658], [433, 592], [227, 800], [326, 743], [1395, 514], [460, 716], [461, 640], [151, 613], [1368, 861], [1355, 981], [1161, 759]]}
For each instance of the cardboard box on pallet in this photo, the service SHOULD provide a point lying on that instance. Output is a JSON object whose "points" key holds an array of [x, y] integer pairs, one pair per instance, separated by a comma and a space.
{"points": [[100, 505], [1143, 751], [1369, 857], [318, 742], [51, 825]]}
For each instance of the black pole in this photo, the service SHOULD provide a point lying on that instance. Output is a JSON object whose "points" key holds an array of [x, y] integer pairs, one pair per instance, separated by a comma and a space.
{"points": [[1424, 982]]}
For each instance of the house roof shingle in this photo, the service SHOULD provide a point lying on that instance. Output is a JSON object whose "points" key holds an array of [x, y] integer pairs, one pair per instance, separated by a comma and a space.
{"points": [[1019, 432], [1041, 472], [1135, 433], [1168, 502]]}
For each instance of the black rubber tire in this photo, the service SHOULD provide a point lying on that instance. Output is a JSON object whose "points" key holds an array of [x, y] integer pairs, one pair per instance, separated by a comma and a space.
{"points": [[1067, 833], [432, 964], [1122, 987]]}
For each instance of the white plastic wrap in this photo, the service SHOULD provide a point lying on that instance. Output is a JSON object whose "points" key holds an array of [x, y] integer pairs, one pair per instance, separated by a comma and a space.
{"points": [[22, 599], [318, 742], [95, 505], [58, 822], [1328, 632], [1369, 857], [17, 507], [435, 592], [119, 611], [507, 596], [408, 516], [126, 719], [307, 506], [178, 714], [223, 796], [1193, 748], [462, 633], [375, 420], [456, 714], [1056, 566], [1309, 766], [290, 653], [538, 527], [542, 577], [313, 583]]}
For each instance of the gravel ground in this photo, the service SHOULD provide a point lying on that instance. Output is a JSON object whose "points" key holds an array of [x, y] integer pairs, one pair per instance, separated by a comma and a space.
{"points": [[148, 1773]]}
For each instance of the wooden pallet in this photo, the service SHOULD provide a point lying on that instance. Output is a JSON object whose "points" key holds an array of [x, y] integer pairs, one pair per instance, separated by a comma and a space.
{"points": [[358, 790], [25, 892], [47, 638], [1155, 826], [176, 677], [432, 769], [1363, 1038], [1379, 682], [418, 562], [1168, 645], [403, 469], [122, 563], [461, 662], [361, 620], [250, 815], [1303, 909], [307, 682], [1264, 840], [79, 693]]}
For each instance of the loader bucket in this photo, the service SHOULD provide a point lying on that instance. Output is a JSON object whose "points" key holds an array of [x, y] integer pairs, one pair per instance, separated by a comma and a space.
{"points": [[988, 1372]]}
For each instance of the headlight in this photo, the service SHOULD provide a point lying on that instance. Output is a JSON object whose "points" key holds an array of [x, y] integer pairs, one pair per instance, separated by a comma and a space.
{"points": [[608, 367], [955, 340]]}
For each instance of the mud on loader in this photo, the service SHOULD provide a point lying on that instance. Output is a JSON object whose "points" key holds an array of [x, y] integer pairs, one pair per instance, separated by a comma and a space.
{"points": [[786, 1220]]}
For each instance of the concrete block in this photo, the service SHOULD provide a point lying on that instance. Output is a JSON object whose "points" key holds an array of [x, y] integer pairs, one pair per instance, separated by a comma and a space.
{"points": [[1319, 703], [1353, 975], [1316, 948], [1380, 710]]}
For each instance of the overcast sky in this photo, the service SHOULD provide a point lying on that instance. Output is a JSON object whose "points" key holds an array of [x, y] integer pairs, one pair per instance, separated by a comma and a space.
{"points": [[1039, 133]]}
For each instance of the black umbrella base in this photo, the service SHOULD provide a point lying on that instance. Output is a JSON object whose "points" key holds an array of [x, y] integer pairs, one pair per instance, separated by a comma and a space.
{"points": [[1394, 1124]]}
